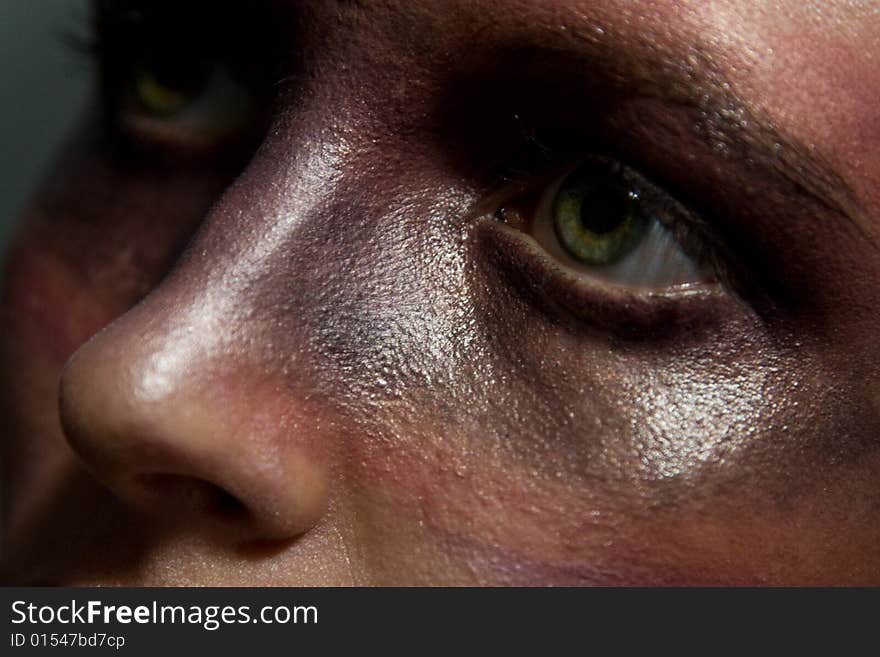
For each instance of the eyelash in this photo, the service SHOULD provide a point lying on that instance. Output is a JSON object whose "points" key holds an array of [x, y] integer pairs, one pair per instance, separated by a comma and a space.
{"points": [[526, 175], [519, 175]]}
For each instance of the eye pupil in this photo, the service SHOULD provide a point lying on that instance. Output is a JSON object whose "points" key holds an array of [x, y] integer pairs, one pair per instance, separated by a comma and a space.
{"points": [[598, 218], [604, 208]]}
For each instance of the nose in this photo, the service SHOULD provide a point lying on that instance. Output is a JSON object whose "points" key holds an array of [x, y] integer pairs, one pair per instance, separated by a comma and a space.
{"points": [[178, 422]]}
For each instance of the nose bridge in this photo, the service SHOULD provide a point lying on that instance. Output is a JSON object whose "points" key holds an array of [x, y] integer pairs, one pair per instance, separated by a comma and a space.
{"points": [[180, 400], [255, 219], [204, 319], [264, 222]]}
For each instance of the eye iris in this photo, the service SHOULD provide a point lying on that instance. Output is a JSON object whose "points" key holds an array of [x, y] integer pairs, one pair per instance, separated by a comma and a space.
{"points": [[164, 88], [597, 220], [157, 98]]}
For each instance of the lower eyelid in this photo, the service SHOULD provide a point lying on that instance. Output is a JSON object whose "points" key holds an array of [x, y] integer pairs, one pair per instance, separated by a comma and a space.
{"points": [[644, 267], [173, 136], [627, 313]]}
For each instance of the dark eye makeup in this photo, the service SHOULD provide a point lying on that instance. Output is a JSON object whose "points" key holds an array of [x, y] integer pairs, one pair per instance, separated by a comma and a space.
{"points": [[602, 218], [179, 81]]}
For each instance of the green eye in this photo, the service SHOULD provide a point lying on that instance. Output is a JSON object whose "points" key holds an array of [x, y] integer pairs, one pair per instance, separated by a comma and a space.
{"points": [[157, 98], [607, 222], [163, 89], [597, 218], [186, 102]]}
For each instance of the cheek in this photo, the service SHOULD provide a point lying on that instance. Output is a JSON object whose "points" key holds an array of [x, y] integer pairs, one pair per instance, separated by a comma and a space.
{"points": [[506, 443], [469, 427]]}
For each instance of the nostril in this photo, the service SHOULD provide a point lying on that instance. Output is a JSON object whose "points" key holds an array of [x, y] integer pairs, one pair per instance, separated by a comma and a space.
{"points": [[181, 494], [189, 435], [227, 505]]}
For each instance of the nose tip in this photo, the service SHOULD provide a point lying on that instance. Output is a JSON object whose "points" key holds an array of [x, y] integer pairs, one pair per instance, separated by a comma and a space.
{"points": [[171, 431]]}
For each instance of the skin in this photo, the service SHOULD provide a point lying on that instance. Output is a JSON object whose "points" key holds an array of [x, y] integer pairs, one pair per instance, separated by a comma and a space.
{"points": [[328, 363]]}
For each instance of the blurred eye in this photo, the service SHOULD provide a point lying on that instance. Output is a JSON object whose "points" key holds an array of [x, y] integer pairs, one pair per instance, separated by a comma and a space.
{"points": [[184, 78], [165, 91], [605, 221], [185, 104]]}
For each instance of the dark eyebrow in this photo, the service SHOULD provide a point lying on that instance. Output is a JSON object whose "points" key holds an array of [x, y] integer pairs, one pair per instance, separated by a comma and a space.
{"points": [[692, 79], [729, 126], [685, 75], [676, 71]]}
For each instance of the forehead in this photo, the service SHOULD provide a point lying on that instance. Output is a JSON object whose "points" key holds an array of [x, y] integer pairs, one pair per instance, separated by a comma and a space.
{"points": [[740, 35], [809, 66], [852, 16]]}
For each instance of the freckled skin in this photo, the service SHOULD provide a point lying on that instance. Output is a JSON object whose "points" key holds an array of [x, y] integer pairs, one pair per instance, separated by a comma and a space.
{"points": [[320, 367]]}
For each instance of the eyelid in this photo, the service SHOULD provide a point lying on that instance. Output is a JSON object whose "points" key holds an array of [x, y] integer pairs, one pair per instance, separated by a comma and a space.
{"points": [[583, 298], [220, 125], [578, 300], [524, 203], [213, 116]]}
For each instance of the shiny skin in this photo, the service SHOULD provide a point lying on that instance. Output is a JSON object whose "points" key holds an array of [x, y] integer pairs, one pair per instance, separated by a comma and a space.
{"points": [[327, 364]]}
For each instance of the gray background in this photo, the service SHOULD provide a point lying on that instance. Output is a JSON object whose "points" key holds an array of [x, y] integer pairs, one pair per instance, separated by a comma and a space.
{"points": [[44, 86]]}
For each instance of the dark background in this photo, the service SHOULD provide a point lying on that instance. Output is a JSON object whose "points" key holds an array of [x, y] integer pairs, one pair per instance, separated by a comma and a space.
{"points": [[44, 85]]}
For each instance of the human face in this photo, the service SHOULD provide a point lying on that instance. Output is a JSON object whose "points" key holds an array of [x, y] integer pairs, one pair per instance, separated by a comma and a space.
{"points": [[319, 284]]}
